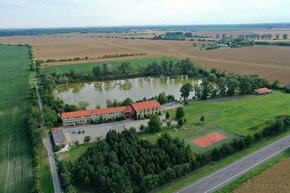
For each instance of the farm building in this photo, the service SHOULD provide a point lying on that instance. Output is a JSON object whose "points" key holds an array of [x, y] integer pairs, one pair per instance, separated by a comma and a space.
{"points": [[138, 110], [261, 91], [58, 136]]}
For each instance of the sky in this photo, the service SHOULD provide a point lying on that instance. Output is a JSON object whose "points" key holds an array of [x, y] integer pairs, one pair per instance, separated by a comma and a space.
{"points": [[94, 13]]}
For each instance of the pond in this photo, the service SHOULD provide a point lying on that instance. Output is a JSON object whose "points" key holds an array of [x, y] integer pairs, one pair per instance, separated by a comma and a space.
{"points": [[96, 93]]}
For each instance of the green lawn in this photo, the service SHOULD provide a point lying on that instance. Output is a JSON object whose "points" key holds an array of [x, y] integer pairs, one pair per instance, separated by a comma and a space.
{"points": [[77, 151], [237, 115], [230, 116], [15, 149], [88, 67]]}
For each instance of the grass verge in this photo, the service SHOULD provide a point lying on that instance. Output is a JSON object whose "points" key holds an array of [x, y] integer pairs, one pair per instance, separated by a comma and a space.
{"points": [[44, 171]]}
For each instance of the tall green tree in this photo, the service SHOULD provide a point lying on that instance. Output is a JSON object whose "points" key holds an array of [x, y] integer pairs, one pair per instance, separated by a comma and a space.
{"points": [[154, 124], [206, 89], [221, 85], [179, 113], [185, 90], [97, 71], [232, 85], [285, 36]]}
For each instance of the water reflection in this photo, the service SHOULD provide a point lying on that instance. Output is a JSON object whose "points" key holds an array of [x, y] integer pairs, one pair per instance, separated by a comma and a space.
{"points": [[136, 88]]}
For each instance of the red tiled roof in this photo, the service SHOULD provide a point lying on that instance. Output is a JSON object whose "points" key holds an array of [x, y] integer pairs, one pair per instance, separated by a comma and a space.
{"points": [[55, 129], [145, 105], [95, 112], [262, 90]]}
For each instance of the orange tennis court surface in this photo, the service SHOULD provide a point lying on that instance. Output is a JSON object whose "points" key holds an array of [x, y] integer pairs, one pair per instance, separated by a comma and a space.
{"points": [[209, 139]]}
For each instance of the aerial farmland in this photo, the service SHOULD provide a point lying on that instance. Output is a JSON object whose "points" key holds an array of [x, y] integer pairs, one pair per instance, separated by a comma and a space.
{"points": [[144, 96]]}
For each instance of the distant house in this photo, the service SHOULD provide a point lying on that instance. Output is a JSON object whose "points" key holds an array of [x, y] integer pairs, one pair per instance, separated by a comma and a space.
{"points": [[138, 110], [261, 91], [58, 136], [223, 45]]}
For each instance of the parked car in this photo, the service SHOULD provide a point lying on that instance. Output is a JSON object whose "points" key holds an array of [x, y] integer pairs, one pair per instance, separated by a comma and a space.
{"points": [[73, 132], [79, 132], [84, 131]]}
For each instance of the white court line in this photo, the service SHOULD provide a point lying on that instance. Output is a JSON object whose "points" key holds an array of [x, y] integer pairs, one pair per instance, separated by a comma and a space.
{"points": [[233, 163], [247, 169]]}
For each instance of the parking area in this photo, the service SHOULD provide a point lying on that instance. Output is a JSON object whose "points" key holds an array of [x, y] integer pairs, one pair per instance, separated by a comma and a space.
{"points": [[96, 131]]}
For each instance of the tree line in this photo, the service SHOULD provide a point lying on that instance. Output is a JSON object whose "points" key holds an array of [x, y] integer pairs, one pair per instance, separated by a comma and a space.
{"points": [[124, 163], [219, 83], [273, 43], [90, 58]]}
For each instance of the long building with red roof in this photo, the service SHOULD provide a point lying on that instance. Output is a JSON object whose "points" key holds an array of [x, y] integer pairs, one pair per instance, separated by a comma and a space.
{"points": [[136, 110]]}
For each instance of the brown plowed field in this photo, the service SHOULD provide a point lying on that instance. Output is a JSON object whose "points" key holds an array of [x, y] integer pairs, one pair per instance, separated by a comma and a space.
{"points": [[271, 62], [275, 179]]}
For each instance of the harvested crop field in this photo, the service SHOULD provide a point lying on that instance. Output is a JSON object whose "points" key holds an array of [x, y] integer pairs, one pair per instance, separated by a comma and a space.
{"points": [[274, 179], [271, 62]]}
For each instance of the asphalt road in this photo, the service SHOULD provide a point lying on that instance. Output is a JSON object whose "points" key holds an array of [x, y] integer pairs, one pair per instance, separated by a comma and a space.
{"points": [[53, 170], [47, 144], [223, 176]]}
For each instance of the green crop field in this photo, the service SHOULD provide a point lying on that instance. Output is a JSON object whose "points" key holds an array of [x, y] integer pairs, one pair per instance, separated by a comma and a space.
{"points": [[15, 149], [87, 68], [230, 116]]}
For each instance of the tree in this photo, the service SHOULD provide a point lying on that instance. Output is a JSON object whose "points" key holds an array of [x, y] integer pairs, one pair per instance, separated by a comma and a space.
{"points": [[221, 85], [87, 139], [179, 113], [106, 69], [197, 91], [206, 89], [202, 118], [167, 115], [180, 122], [185, 90], [83, 105], [277, 36], [217, 36], [125, 68], [246, 85], [285, 36], [162, 98], [127, 101], [57, 148], [97, 71], [142, 127], [276, 84], [212, 77], [232, 85], [154, 124]]}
